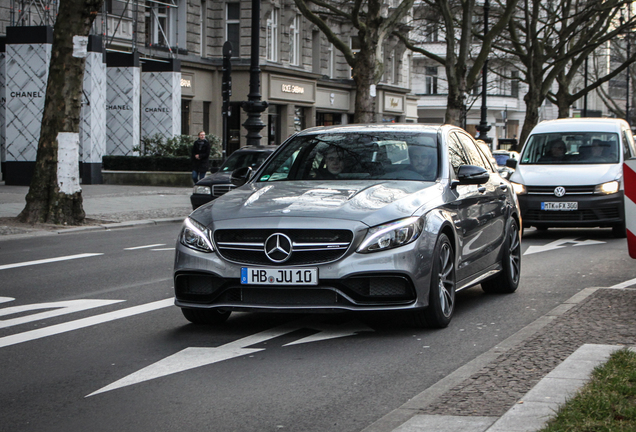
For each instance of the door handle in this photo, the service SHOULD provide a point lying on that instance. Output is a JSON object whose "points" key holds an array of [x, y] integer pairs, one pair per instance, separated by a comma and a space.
{"points": [[481, 189]]}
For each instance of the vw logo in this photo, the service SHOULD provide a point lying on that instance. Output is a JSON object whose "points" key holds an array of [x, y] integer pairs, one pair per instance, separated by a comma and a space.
{"points": [[278, 247], [559, 191]]}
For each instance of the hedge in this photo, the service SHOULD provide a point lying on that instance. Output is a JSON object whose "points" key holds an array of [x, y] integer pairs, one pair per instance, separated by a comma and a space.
{"points": [[150, 163]]}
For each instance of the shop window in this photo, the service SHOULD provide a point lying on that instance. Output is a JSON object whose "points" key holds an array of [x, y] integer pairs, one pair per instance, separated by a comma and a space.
{"points": [[233, 26], [328, 119], [206, 116], [274, 124], [185, 116], [299, 119]]}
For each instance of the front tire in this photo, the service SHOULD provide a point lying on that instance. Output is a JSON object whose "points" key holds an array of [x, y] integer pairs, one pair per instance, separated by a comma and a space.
{"points": [[507, 280], [205, 316], [441, 302]]}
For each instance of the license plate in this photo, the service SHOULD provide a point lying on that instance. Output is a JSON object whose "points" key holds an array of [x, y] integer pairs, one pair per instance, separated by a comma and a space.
{"points": [[279, 276], [563, 206]]}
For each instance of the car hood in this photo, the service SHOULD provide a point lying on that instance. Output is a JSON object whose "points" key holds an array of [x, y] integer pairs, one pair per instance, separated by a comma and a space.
{"points": [[216, 178], [370, 203], [566, 175]]}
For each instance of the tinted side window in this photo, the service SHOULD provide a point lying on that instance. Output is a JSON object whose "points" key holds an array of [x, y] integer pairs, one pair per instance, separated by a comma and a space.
{"points": [[456, 153], [473, 153], [628, 144]]}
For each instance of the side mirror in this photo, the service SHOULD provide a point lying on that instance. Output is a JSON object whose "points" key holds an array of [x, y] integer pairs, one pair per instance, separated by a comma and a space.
{"points": [[511, 163], [240, 176], [471, 174]]}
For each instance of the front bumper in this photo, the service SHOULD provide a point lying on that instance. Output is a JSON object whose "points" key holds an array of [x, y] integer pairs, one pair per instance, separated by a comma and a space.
{"points": [[396, 279], [593, 210], [198, 200]]}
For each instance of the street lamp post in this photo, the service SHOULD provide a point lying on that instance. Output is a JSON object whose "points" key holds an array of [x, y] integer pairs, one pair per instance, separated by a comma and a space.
{"points": [[483, 127], [254, 106]]}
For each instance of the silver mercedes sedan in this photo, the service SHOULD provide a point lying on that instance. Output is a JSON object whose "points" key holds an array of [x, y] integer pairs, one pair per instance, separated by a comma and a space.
{"points": [[378, 217]]}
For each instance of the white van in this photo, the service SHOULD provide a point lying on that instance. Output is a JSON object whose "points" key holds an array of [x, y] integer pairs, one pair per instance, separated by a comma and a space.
{"points": [[570, 174]]}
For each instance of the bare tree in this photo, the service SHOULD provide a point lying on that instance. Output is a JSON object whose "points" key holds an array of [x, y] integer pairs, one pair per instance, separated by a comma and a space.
{"points": [[54, 195], [374, 22], [549, 37], [463, 59]]}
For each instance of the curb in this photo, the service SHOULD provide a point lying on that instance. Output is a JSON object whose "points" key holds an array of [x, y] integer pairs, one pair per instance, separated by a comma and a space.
{"points": [[401, 415], [101, 227]]}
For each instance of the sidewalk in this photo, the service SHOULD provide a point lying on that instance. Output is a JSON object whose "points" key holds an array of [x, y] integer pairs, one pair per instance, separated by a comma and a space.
{"points": [[519, 384], [104, 205], [514, 387]]}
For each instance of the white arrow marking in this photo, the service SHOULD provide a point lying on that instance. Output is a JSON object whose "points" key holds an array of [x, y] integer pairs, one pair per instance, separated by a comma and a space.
{"points": [[49, 260], [60, 308], [145, 247], [327, 331], [558, 244], [6, 299], [84, 322], [191, 358]]}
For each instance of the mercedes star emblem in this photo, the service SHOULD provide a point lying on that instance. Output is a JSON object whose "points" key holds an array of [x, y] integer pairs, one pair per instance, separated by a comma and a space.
{"points": [[278, 247], [559, 191]]}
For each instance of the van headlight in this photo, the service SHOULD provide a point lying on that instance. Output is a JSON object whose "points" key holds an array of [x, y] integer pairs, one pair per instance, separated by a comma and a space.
{"points": [[606, 188], [519, 188], [392, 235], [195, 236]]}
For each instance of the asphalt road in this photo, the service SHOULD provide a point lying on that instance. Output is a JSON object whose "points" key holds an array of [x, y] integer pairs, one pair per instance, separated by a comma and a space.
{"points": [[92, 342]]}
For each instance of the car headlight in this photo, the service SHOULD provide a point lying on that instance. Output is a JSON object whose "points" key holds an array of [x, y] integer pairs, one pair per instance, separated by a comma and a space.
{"points": [[519, 188], [202, 190], [195, 236], [607, 188], [392, 235]]}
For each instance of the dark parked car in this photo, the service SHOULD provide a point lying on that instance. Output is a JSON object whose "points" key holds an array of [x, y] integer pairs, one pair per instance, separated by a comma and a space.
{"points": [[361, 218], [218, 183]]}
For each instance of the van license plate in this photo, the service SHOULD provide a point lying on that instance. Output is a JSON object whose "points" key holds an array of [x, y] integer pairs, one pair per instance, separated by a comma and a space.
{"points": [[279, 276], [563, 206]]}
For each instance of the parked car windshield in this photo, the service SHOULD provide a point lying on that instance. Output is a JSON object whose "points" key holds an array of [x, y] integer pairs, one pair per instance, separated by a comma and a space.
{"points": [[242, 159], [572, 148], [356, 155], [501, 159]]}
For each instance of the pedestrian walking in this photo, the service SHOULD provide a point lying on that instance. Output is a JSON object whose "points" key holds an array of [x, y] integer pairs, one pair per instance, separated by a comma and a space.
{"points": [[200, 157]]}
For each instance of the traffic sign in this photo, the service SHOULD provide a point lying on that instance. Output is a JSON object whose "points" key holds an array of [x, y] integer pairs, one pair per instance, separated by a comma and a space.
{"points": [[629, 183]]}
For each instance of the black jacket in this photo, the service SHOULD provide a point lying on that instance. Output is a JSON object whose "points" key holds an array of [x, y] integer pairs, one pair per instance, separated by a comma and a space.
{"points": [[201, 147]]}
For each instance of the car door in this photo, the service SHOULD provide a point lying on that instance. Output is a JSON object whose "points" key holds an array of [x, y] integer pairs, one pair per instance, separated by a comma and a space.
{"points": [[481, 213]]}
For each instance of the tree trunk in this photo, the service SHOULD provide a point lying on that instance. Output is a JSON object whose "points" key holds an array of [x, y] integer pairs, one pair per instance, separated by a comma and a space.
{"points": [[533, 103], [365, 73], [54, 194]]}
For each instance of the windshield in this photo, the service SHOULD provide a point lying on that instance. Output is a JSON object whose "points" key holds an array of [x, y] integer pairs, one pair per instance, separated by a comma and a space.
{"points": [[356, 155], [243, 159], [501, 159], [571, 148]]}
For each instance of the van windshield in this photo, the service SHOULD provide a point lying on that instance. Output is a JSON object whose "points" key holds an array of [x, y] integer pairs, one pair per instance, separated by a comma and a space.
{"points": [[571, 148]]}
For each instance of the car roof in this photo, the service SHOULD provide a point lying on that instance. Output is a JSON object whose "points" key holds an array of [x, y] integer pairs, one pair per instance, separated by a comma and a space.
{"points": [[374, 127], [256, 148], [586, 124]]}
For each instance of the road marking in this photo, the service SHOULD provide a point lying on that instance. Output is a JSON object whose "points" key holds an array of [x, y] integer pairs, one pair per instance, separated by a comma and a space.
{"points": [[49, 260], [145, 247], [163, 249], [194, 357], [625, 284], [558, 244], [60, 308], [6, 299], [84, 322]]}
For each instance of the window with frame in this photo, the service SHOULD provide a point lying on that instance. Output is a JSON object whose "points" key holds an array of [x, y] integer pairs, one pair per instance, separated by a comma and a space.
{"points": [[233, 26], [158, 23], [431, 80], [432, 33], [203, 23], [294, 41], [271, 34]]}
